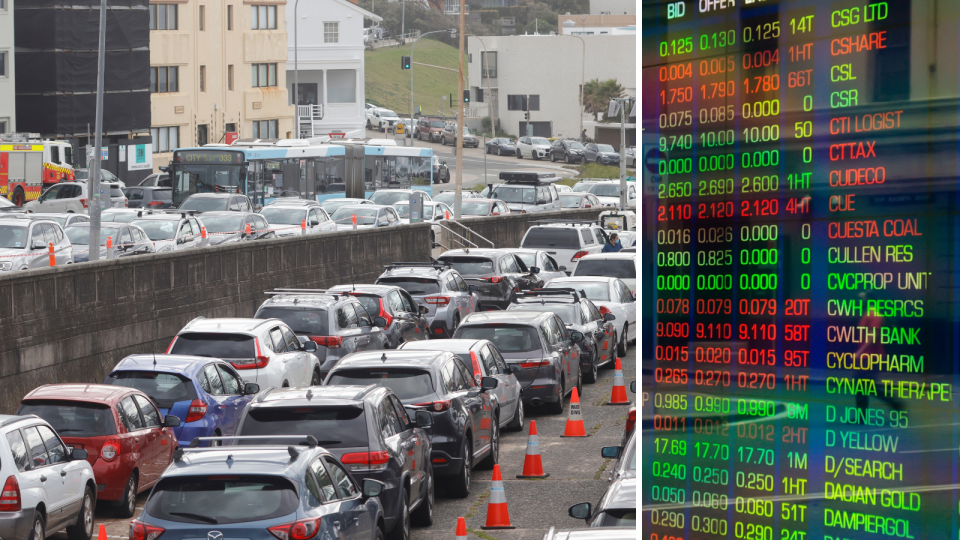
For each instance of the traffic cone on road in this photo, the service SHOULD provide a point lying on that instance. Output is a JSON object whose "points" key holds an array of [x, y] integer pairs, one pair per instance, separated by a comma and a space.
{"points": [[102, 535], [574, 418], [532, 466], [461, 529], [618, 396], [498, 517]]}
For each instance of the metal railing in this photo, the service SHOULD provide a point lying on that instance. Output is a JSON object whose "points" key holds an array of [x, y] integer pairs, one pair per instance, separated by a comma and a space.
{"points": [[306, 113], [466, 230]]}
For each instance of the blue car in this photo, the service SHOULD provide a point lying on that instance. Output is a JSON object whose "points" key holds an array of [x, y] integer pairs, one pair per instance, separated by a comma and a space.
{"points": [[300, 492], [207, 393]]}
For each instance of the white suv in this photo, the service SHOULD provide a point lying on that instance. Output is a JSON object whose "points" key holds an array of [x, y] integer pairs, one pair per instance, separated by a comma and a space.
{"points": [[71, 197], [378, 118], [535, 147], [47, 486], [265, 350], [567, 242]]}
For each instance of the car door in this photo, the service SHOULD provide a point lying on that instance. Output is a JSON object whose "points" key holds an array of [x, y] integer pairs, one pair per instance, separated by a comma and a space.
{"points": [[629, 305], [356, 520], [560, 346], [47, 201], [504, 390], [465, 299], [472, 399], [125, 245], [232, 398], [304, 360], [156, 448], [411, 440], [214, 387], [369, 337], [390, 430], [44, 476], [420, 324], [29, 463], [132, 443], [322, 500], [53, 235], [64, 475], [598, 332], [402, 317], [349, 325], [512, 384]]}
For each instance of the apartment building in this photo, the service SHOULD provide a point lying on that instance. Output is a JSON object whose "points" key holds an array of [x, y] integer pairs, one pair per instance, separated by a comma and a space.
{"points": [[217, 71], [8, 90]]}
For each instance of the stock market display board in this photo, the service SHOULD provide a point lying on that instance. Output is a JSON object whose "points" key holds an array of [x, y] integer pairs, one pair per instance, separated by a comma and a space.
{"points": [[802, 317]]}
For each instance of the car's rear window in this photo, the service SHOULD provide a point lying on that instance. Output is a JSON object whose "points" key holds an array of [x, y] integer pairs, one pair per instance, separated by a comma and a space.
{"points": [[414, 286], [162, 194], [405, 383], [204, 204], [215, 345], [164, 389], [309, 322], [334, 427], [607, 267], [593, 291], [470, 266], [222, 499], [115, 191], [507, 338], [568, 313], [551, 237], [72, 418]]}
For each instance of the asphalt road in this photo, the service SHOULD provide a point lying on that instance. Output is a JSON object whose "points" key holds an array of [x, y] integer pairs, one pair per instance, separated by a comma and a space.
{"points": [[577, 473]]}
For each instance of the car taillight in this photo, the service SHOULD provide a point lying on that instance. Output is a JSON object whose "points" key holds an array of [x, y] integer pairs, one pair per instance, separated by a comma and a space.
{"points": [[631, 421], [125, 203], [493, 279], [298, 530], [577, 255], [156, 203], [10, 496], [83, 202], [141, 531], [110, 449], [260, 361], [198, 409], [330, 342], [604, 310], [437, 300], [435, 406], [535, 364], [385, 315], [366, 461], [477, 372], [170, 347]]}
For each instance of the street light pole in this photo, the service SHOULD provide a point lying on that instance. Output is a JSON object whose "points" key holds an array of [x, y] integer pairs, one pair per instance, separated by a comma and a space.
{"points": [[461, 118], [93, 186], [296, 71], [411, 74]]}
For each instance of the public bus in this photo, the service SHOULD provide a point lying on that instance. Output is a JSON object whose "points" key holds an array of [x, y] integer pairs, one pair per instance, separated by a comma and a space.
{"points": [[265, 169]]}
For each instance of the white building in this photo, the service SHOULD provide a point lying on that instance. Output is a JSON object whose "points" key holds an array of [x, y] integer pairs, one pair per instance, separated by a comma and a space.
{"points": [[595, 25], [329, 60], [550, 70], [8, 109], [613, 7]]}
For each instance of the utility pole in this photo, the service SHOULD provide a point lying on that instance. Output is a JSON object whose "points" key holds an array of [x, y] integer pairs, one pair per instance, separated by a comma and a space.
{"points": [[403, 22], [623, 106], [93, 184], [461, 118]]}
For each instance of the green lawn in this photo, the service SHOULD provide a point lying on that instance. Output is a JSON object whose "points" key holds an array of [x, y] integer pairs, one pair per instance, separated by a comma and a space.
{"points": [[389, 86]]}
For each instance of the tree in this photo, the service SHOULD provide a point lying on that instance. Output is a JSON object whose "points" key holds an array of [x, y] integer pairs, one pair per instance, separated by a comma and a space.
{"points": [[540, 26], [597, 95]]}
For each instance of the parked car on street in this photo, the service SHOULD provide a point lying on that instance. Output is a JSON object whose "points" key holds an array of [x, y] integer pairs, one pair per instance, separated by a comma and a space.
{"points": [[618, 265], [212, 202], [533, 147], [149, 197], [528, 192], [429, 128], [566, 241], [64, 220], [387, 197], [449, 136], [433, 213], [606, 533], [31, 450], [446, 196], [120, 215], [578, 200], [368, 216], [128, 442], [8, 207], [497, 273], [608, 193], [227, 227], [25, 243], [170, 232], [404, 319], [72, 197], [603, 154], [610, 295], [286, 219], [568, 151], [128, 240], [437, 288], [626, 455], [616, 508], [501, 146], [331, 205], [379, 118], [548, 266], [441, 174], [156, 179], [631, 156], [483, 207]]}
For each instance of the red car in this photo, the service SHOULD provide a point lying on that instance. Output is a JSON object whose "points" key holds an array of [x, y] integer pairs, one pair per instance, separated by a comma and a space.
{"points": [[127, 442]]}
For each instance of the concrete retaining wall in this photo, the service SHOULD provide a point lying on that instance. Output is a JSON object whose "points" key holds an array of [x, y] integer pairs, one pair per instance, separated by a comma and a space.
{"points": [[507, 231]]}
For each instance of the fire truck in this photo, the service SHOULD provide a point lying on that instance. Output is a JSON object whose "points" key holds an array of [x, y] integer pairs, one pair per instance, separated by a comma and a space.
{"points": [[29, 164]]}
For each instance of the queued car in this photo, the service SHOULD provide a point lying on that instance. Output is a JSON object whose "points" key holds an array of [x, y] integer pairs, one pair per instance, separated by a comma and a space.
{"points": [[448, 195], [9, 207], [630, 425], [331, 205], [149, 197], [368, 430], [170, 232], [527, 192], [386, 197], [438, 289], [208, 394], [441, 174], [603, 154], [465, 431], [25, 243], [616, 508], [128, 442], [404, 320], [610, 295], [534, 147], [620, 265], [64, 220], [485, 361], [156, 179], [578, 200], [214, 202], [72, 197], [606, 533], [261, 493], [429, 128], [229, 227], [127, 238], [540, 344], [29, 450], [583, 186], [501, 146], [449, 136], [543, 261], [626, 456], [567, 242], [266, 351], [608, 193], [368, 216], [334, 324], [287, 219], [120, 215], [497, 273], [631, 156], [433, 213], [483, 207], [568, 151], [563, 188]]}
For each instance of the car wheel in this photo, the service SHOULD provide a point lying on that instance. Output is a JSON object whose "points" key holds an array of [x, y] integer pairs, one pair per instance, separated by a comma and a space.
{"points": [[18, 197], [622, 345], [456, 324], [594, 368], [499, 151], [557, 408], [37, 532], [423, 515], [519, 155], [128, 502], [598, 161], [316, 379], [369, 125], [380, 534], [460, 485], [401, 530], [566, 159], [494, 456], [517, 423], [553, 159], [83, 528], [579, 382]]}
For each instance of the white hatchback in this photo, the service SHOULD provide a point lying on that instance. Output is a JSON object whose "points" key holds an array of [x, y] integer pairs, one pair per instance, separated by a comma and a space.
{"points": [[618, 264], [72, 197], [610, 295]]}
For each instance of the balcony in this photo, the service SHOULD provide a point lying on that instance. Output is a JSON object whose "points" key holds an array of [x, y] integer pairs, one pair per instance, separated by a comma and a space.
{"points": [[306, 116]]}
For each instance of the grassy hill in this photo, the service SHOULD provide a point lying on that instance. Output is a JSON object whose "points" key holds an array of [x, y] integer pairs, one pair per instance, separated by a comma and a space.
{"points": [[389, 86]]}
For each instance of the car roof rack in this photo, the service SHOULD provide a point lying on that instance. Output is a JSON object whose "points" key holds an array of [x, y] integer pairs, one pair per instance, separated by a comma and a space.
{"points": [[306, 291], [439, 265], [570, 221], [534, 293], [533, 178], [308, 440]]}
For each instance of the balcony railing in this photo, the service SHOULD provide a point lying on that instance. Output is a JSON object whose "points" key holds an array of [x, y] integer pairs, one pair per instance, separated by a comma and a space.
{"points": [[307, 113]]}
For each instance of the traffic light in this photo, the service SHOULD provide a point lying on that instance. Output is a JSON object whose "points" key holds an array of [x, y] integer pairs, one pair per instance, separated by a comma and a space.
{"points": [[405, 62], [466, 96], [526, 116]]}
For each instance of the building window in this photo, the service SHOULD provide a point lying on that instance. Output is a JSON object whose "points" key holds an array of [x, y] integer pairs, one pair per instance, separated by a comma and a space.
{"points": [[3, 64], [3, 4], [203, 78], [229, 17], [342, 86], [331, 32], [306, 95], [488, 65], [230, 77], [164, 79], [265, 129], [263, 75], [263, 17], [201, 17], [163, 16], [202, 135], [517, 102], [165, 139], [3, 121]]}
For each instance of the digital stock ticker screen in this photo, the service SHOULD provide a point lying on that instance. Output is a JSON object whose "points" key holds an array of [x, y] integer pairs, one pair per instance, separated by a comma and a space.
{"points": [[802, 294]]}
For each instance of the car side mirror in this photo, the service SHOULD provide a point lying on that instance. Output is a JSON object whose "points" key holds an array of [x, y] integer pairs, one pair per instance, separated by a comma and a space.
{"points": [[607, 317], [576, 337], [314, 222], [534, 269], [563, 268], [580, 511], [39, 245], [424, 310], [514, 368], [372, 488], [379, 321], [488, 383], [310, 346], [78, 453], [473, 288], [633, 386], [384, 223], [610, 452], [171, 421], [251, 388], [423, 419]]}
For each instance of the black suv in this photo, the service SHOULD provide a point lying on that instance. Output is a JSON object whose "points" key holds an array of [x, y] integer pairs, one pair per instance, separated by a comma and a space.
{"points": [[497, 273], [368, 430], [212, 202], [405, 319], [570, 151], [466, 428]]}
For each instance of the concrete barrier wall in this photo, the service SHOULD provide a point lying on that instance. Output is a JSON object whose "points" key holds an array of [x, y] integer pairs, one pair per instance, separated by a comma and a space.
{"points": [[507, 231], [74, 323]]}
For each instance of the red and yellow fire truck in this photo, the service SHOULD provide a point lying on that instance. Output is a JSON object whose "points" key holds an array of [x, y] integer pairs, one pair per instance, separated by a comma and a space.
{"points": [[29, 164]]}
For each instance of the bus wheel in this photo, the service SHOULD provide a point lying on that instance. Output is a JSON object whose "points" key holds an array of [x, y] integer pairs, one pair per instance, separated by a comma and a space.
{"points": [[18, 197]]}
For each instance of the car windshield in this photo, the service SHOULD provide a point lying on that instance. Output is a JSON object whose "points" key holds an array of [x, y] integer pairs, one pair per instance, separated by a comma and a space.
{"points": [[158, 229], [204, 204], [446, 198], [13, 237], [470, 266], [387, 113], [570, 200], [331, 205], [470, 208], [605, 190], [580, 187], [222, 499], [539, 140], [438, 124], [116, 191], [214, 345], [389, 197], [575, 146], [405, 383], [605, 148], [365, 216], [593, 291], [507, 338], [81, 175], [502, 141], [334, 427], [164, 389], [118, 217], [61, 220], [403, 208], [283, 215], [515, 194], [551, 237], [529, 259], [607, 267], [80, 235], [308, 322], [414, 286], [223, 224], [568, 313], [72, 418]]}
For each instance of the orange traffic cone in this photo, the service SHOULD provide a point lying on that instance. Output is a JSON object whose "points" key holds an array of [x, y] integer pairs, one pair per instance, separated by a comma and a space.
{"points": [[498, 517], [102, 535], [532, 466], [461, 529], [574, 418], [619, 394]]}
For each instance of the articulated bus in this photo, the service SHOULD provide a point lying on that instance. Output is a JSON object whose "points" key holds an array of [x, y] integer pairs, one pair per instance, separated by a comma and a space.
{"points": [[265, 169]]}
